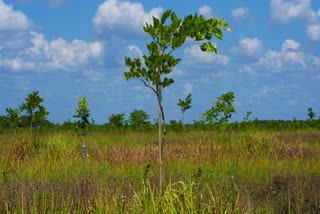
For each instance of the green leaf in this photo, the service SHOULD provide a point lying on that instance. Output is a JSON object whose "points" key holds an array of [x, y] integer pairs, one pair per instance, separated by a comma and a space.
{"points": [[165, 16], [167, 82], [175, 20], [210, 47], [218, 33], [156, 22]]}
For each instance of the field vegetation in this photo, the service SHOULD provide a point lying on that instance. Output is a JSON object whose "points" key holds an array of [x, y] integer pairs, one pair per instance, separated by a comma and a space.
{"points": [[233, 171]]}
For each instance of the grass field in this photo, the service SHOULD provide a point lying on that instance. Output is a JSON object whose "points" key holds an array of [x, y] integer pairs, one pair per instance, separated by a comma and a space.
{"points": [[203, 172]]}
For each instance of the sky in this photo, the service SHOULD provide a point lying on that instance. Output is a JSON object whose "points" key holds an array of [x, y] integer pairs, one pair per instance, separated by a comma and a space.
{"points": [[66, 49]]}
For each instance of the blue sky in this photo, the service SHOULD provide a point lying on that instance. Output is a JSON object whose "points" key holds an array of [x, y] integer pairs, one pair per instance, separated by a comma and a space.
{"points": [[66, 49]]}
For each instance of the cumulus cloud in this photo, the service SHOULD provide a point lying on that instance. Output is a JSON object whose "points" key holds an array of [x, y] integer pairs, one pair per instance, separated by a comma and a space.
{"points": [[122, 19], [283, 11], [313, 32], [206, 11], [290, 44], [205, 57], [12, 20], [56, 54], [60, 54], [249, 46], [289, 57], [239, 13]]}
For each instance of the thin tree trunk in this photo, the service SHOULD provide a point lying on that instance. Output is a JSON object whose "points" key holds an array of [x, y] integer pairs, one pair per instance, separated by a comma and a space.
{"points": [[183, 121], [160, 142]]}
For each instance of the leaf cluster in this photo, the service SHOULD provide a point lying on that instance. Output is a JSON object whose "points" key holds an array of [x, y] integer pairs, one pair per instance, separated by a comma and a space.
{"points": [[311, 114], [138, 118], [185, 104], [168, 34], [117, 120], [13, 116], [221, 111], [33, 107], [82, 113]]}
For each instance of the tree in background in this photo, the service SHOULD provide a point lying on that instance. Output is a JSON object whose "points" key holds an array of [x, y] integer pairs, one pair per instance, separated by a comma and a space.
{"points": [[138, 119], [221, 111], [311, 114], [185, 105], [166, 37], [117, 120], [35, 111], [13, 116], [82, 114]]}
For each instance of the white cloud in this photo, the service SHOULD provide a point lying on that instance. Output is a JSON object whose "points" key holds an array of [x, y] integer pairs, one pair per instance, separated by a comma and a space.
{"points": [[313, 32], [206, 11], [187, 88], [56, 54], [239, 13], [251, 46], [288, 58], [16, 64], [206, 57], [122, 19], [290, 44], [283, 11], [11, 20], [271, 60]]}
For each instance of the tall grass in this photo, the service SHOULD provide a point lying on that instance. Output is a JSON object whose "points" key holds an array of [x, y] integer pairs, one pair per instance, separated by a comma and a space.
{"points": [[204, 172]]}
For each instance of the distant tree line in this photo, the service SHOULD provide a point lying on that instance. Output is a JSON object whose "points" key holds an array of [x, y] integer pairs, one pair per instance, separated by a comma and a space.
{"points": [[216, 118]]}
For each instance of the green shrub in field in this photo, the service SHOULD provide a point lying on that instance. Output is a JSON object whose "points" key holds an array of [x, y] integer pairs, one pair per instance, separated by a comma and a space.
{"points": [[138, 119], [35, 111]]}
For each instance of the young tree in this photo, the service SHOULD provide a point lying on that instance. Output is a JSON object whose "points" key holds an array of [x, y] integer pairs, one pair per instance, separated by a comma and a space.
{"points": [[117, 120], [311, 114], [13, 116], [166, 37], [185, 105], [82, 114], [34, 110], [138, 118], [221, 111]]}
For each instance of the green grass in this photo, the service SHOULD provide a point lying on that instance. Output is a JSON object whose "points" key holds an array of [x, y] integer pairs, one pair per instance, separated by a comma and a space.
{"points": [[203, 172]]}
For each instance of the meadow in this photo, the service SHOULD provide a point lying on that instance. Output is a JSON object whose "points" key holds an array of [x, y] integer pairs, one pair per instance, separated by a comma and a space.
{"points": [[252, 171]]}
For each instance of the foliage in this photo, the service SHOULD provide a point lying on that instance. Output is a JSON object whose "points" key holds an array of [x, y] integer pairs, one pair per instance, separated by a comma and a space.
{"points": [[165, 40], [185, 105], [221, 111], [258, 172], [176, 126], [35, 111], [246, 118], [138, 119], [82, 113], [311, 114], [13, 116], [117, 120]]}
